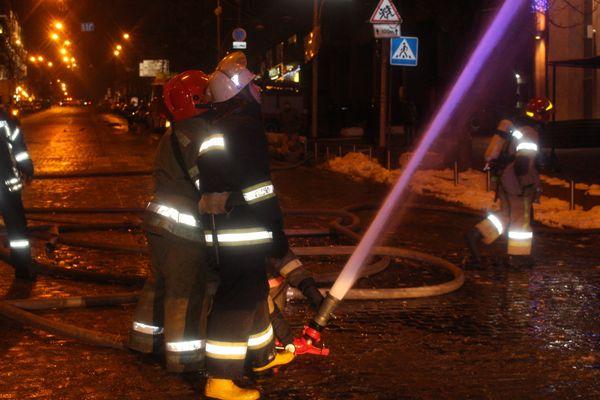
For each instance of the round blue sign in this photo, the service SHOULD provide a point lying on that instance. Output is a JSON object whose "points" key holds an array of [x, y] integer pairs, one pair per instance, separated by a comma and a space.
{"points": [[239, 34]]}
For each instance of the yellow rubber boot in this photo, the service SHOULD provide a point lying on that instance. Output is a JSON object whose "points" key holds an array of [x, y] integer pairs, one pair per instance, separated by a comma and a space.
{"points": [[225, 389], [282, 358]]}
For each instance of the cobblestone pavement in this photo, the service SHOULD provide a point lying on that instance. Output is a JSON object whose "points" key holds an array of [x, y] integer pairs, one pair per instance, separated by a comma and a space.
{"points": [[519, 334]]}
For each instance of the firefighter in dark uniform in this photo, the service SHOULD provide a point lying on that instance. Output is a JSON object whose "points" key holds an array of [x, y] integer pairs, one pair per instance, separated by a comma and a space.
{"points": [[512, 156], [244, 225], [173, 306], [16, 168]]}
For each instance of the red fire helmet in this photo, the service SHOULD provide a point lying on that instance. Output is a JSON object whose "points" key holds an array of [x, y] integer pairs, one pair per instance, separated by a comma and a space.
{"points": [[539, 109], [185, 95]]}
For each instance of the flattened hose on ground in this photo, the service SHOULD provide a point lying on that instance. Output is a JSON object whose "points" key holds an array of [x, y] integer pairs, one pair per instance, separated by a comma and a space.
{"points": [[144, 172], [17, 309], [353, 222], [137, 280], [80, 274], [59, 328], [91, 174], [540, 229], [395, 293], [65, 210]]}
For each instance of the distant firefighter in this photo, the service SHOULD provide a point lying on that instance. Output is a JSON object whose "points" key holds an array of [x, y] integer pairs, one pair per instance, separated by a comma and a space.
{"points": [[512, 158], [16, 168]]}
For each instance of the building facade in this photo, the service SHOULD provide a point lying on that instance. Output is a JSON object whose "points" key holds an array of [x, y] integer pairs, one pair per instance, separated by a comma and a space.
{"points": [[573, 27], [13, 57]]}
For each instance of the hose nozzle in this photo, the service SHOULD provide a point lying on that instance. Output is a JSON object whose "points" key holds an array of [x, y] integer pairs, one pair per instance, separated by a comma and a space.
{"points": [[325, 312]]}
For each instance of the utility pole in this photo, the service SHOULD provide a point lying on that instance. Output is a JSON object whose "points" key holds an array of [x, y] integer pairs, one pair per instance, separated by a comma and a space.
{"points": [[315, 76]]}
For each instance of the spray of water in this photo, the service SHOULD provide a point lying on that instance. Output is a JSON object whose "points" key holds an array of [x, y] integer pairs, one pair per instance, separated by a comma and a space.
{"points": [[490, 41]]}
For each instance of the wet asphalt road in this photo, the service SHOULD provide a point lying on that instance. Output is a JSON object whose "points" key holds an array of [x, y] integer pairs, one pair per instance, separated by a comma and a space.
{"points": [[531, 334]]}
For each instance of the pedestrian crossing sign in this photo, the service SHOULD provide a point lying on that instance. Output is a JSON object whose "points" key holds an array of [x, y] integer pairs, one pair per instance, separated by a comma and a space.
{"points": [[404, 51]]}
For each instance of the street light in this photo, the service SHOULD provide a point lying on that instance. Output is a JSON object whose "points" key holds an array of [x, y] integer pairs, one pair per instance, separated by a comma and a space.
{"points": [[54, 36], [32, 59], [50, 64], [59, 25], [65, 59], [119, 47], [40, 59], [67, 43], [126, 36], [117, 53], [63, 51]]}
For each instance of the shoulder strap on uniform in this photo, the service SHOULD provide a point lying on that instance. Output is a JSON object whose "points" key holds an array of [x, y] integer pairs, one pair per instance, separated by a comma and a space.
{"points": [[179, 155]]}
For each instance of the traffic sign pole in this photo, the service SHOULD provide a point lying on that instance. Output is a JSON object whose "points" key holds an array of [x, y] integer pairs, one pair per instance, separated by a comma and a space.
{"points": [[386, 22], [383, 93]]}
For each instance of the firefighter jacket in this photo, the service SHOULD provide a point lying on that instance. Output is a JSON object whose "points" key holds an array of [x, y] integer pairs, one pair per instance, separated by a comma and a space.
{"points": [[521, 152], [234, 158], [14, 158], [174, 203]]}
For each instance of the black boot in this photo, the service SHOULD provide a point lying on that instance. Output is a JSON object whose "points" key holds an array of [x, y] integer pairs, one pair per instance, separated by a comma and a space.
{"points": [[24, 269], [473, 237], [520, 262], [25, 273]]}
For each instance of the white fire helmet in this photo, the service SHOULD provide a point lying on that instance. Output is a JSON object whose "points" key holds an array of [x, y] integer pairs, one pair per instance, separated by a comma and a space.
{"points": [[230, 77]]}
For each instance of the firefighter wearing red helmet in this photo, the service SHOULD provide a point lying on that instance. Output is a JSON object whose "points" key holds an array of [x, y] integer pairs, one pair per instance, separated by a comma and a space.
{"points": [[244, 225], [172, 309], [511, 156]]}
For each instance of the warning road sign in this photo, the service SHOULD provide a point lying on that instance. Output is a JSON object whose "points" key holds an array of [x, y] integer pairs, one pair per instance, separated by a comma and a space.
{"points": [[386, 13], [404, 51]]}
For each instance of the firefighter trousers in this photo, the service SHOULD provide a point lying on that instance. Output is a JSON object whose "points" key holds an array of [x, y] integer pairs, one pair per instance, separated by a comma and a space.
{"points": [[515, 218], [172, 310], [15, 222], [240, 334]]}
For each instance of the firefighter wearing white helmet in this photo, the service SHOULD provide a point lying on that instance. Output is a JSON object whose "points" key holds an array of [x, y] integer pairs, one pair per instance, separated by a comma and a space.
{"points": [[511, 156], [230, 78], [245, 226]]}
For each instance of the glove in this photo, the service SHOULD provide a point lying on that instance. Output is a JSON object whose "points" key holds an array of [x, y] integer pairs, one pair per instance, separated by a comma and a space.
{"points": [[309, 289], [214, 203], [276, 264]]}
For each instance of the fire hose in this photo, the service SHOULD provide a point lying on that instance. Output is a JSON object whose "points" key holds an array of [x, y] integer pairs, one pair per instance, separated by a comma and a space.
{"points": [[344, 224], [279, 166]]}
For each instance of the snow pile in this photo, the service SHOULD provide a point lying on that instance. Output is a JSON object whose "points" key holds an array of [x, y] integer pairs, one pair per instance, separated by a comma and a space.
{"points": [[359, 167], [555, 212], [591, 190], [594, 190], [470, 192], [552, 181]]}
